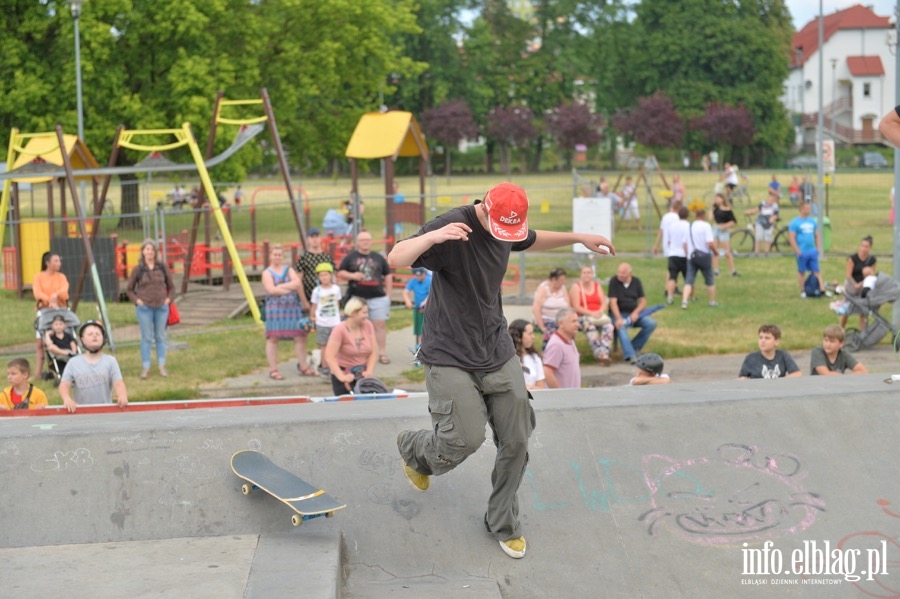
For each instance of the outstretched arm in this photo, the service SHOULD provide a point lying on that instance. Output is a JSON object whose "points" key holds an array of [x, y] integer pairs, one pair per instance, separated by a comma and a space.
{"points": [[548, 240]]}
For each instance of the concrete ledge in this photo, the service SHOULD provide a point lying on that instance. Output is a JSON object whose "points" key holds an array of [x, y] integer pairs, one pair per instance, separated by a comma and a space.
{"points": [[646, 492], [306, 563]]}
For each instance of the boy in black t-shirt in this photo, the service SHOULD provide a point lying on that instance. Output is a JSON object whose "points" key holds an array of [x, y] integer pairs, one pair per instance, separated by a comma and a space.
{"points": [[769, 362]]}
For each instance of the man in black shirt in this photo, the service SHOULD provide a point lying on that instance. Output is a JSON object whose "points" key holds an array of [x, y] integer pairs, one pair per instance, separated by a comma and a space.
{"points": [[626, 302], [472, 372], [369, 278]]}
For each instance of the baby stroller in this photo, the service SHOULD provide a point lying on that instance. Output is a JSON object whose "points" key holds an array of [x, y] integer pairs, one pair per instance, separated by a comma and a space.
{"points": [[44, 323], [885, 291]]}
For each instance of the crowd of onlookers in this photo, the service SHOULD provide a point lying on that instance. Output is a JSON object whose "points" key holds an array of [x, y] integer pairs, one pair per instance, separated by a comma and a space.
{"points": [[349, 324]]}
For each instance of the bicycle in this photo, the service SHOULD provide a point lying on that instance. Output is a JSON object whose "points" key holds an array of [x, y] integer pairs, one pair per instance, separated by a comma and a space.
{"points": [[740, 194], [743, 241]]}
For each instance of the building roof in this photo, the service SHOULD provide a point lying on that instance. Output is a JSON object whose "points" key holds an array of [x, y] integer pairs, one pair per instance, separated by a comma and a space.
{"points": [[855, 17], [865, 66]]}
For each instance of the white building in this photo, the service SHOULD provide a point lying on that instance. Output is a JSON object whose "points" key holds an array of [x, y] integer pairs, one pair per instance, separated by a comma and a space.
{"points": [[858, 77]]}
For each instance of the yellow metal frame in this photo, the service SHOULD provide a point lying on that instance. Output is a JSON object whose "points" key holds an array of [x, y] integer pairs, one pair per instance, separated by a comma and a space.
{"points": [[230, 121], [184, 137], [128, 139]]}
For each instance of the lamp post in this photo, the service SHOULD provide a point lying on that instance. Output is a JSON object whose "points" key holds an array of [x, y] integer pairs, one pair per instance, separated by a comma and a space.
{"points": [[800, 132], [76, 13], [834, 62]]}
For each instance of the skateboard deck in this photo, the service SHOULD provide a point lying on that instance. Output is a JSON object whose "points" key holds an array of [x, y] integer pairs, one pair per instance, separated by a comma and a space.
{"points": [[305, 499]]}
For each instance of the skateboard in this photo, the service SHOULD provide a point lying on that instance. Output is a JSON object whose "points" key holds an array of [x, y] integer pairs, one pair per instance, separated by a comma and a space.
{"points": [[261, 473]]}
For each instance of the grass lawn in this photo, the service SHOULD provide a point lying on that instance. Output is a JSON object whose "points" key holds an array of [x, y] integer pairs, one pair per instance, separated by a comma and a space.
{"points": [[767, 291]]}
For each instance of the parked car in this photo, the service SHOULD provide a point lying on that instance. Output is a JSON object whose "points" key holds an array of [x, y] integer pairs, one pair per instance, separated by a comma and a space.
{"points": [[873, 160], [803, 161]]}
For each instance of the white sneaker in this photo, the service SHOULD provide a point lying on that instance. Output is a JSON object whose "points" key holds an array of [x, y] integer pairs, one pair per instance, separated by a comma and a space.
{"points": [[802, 295]]}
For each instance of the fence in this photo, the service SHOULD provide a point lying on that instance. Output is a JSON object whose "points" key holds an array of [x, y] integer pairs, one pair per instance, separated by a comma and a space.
{"points": [[264, 215]]}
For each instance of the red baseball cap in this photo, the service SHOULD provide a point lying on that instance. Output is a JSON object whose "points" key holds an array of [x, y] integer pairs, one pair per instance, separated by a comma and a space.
{"points": [[507, 207]]}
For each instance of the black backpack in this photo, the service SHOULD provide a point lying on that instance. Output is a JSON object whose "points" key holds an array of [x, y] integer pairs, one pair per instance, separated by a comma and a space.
{"points": [[811, 286]]}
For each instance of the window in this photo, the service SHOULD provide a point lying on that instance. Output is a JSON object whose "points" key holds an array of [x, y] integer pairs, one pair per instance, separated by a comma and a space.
{"points": [[867, 90]]}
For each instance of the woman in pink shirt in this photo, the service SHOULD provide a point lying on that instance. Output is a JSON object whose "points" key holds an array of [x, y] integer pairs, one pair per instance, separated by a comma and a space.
{"points": [[351, 349]]}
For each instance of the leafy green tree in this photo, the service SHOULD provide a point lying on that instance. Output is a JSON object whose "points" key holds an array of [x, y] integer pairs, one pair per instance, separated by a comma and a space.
{"points": [[151, 64], [435, 43], [710, 51]]}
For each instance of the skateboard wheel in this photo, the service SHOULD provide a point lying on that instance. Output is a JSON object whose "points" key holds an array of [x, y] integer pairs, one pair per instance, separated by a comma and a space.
{"points": [[246, 489], [329, 515], [296, 520]]}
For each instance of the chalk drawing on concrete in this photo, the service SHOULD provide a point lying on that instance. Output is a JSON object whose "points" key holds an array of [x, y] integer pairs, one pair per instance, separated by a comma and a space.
{"points": [[880, 581], [344, 440], [64, 460], [747, 494]]}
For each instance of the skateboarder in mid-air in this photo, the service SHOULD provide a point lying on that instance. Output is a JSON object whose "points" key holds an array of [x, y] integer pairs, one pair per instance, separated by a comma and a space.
{"points": [[472, 372]]}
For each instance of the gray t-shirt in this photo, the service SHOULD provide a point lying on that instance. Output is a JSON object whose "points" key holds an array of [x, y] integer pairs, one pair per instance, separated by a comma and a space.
{"points": [[464, 322], [756, 366], [843, 362], [92, 383]]}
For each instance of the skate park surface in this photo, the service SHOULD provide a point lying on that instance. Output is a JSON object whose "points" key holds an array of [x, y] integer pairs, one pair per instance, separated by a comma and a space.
{"points": [[630, 492]]}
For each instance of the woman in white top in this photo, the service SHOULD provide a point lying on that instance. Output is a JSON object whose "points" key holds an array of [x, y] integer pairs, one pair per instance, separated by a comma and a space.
{"points": [[522, 333], [551, 297]]}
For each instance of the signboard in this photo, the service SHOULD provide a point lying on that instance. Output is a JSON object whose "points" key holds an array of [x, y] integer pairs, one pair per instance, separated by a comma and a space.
{"points": [[828, 155], [593, 216]]}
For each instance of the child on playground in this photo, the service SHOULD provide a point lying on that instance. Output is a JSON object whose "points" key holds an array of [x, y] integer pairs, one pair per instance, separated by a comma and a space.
{"points": [[92, 377], [325, 307], [59, 342], [415, 294], [649, 371], [21, 395], [831, 357], [769, 362]]}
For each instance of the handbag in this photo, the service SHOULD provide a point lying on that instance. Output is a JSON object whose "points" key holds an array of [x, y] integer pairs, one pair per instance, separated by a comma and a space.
{"points": [[600, 321], [174, 316], [597, 321], [703, 260]]}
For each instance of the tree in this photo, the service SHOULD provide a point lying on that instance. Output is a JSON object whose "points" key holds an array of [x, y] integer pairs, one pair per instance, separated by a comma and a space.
{"points": [[572, 124], [723, 126], [449, 123], [154, 64], [439, 49], [741, 57], [511, 126], [654, 122]]}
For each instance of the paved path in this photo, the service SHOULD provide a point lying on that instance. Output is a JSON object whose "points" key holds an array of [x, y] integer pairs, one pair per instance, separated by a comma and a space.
{"points": [[880, 359]]}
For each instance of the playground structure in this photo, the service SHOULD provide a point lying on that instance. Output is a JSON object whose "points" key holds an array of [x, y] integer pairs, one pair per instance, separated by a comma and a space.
{"points": [[36, 157], [583, 185], [387, 136]]}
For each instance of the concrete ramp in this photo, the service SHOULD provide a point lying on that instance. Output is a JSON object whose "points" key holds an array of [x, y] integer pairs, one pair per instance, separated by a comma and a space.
{"points": [[630, 492]]}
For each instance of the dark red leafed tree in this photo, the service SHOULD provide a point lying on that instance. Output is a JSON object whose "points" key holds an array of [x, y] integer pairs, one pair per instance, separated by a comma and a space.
{"points": [[726, 127], [510, 126], [449, 123], [653, 122], [572, 124]]}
